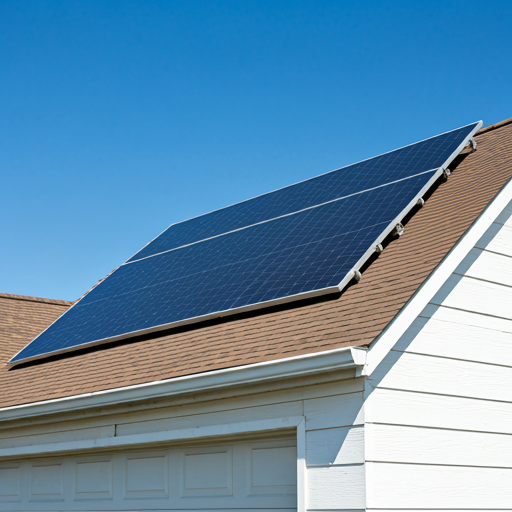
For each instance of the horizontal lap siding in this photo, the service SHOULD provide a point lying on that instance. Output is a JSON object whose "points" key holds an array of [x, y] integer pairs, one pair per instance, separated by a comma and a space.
{"points": [[397, 407], [438, 410], [335, 452], [336, 488], [419, 445], [481, 297], [335, 446], [438, 487]]}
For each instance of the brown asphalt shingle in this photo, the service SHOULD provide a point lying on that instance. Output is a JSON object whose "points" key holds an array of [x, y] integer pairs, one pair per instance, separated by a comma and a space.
{"points": [[22, 318], [353, 319]]}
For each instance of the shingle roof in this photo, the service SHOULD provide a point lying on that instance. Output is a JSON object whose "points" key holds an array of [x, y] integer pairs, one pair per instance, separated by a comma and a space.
{"points": [[22, 318], [354, 318]]}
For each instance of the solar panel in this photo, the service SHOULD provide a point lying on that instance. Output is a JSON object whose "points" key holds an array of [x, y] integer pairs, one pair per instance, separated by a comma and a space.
{"points": [[297, 242]]}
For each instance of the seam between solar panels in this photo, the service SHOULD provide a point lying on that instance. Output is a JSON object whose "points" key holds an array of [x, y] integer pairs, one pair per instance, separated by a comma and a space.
{"points": [[281, 216], [292, 185]]}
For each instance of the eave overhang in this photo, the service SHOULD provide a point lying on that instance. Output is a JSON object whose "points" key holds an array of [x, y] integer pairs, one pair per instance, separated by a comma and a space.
{"points": [[297, 366]]}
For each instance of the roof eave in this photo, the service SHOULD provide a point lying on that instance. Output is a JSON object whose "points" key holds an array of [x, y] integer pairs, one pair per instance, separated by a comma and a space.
{"points": [[337, 359]]}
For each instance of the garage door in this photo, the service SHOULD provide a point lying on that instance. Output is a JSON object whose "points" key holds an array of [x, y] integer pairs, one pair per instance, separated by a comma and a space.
{"points": [[259, 474]]}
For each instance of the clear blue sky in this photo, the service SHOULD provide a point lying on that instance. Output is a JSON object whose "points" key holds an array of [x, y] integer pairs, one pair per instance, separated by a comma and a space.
{"points": [[118, 118]]}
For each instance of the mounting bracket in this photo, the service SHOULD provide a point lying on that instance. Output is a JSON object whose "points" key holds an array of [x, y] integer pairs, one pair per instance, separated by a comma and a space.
{"points": [[399, 229], [470, 147]]}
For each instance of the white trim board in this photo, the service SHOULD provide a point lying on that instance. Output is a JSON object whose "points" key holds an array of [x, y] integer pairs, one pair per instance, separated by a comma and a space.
{"points": [[302, 473], [337, 359], [403, 320], [135, 440]]}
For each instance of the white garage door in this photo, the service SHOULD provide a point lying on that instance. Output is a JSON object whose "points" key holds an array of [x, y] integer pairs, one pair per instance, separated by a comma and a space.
{"points": [[256, 474]]}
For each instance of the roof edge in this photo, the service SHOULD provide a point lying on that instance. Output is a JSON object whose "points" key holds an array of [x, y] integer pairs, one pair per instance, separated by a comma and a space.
{"points": [[36, 299], [494, 126], [306, 364], [384, 343]]}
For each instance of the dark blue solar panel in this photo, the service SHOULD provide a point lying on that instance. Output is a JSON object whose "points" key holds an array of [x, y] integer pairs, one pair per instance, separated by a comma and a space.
{"points": [[287, 243], [416, 158], [310, 250]]}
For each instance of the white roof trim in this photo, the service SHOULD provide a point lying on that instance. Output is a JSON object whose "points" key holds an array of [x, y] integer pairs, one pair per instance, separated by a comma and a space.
{"points": [[344, 358], [402, 321]]}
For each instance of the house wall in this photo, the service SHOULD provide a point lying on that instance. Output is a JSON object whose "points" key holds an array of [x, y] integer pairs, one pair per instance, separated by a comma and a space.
{"points": [[329, 409], [438, 408]]}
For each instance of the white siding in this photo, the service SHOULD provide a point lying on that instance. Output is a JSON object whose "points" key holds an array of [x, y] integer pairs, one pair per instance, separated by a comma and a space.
{"points": [[438, 408], [335, 453], [335, 446], [429, 487], [337, 488], [422, 445]]}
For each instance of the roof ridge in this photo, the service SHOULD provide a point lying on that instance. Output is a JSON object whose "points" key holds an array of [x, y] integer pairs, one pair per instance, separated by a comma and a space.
{"points": [[494, 126], [36, 299]]}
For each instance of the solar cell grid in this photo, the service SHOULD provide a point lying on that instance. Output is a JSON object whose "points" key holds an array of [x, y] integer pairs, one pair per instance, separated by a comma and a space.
{"points": [[395, 165], [302, 240]]}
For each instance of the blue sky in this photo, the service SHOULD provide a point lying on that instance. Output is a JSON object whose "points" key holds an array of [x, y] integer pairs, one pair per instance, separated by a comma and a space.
{"points": [[118, 118]]}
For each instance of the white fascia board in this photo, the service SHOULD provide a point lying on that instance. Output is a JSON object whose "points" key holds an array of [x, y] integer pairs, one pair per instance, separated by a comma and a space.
{"points": [[337, 359], [380, 347]]}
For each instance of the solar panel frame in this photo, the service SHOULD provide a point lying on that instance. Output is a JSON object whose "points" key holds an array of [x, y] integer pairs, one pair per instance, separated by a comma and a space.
{"points": [[278, 301]]}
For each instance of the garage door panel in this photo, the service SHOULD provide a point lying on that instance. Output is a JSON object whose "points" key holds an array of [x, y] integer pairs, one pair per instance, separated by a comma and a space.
{"points": [[47, 481], [10, 483], [92, 478], [236, 475], [207, 472], [145, 475], [272, 468]]}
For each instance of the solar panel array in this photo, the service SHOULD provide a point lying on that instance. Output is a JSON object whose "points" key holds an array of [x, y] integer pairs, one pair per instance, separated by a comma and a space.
{"points": [[299, 241]]}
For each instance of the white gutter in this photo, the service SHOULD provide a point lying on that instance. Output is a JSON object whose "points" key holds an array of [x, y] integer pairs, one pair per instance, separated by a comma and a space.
{"points": [[337, 359]]}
